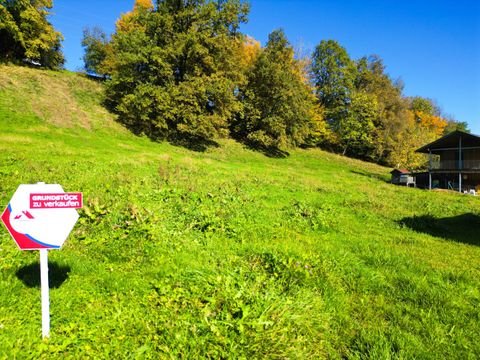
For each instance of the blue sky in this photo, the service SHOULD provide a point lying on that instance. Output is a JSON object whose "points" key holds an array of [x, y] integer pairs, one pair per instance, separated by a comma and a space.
{"points": [[433, 46]]}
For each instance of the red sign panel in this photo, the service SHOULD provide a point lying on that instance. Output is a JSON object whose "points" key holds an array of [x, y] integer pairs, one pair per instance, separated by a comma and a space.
{"points": [[56, 201]]}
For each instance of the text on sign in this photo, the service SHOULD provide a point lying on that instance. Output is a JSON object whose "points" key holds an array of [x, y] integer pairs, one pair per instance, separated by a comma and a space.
{"points": [[56, 201]]}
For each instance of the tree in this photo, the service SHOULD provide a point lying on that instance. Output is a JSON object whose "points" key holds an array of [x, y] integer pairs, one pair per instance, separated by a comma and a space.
{"points": [[453, 125], [426, 110], [424, 105], [357, 128], [421, 126], [391, 120], [96, 45], [280, 109], [249, 50], [333, 75], [12, 44], [173, 67], [26, 34]]}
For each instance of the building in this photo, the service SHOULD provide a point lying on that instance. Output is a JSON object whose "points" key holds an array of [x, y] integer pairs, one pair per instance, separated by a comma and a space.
{"points": [[454, 162], [402, 177]]}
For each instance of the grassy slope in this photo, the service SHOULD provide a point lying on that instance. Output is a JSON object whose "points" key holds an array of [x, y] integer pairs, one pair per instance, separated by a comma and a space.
{"points": [[227, 253]]}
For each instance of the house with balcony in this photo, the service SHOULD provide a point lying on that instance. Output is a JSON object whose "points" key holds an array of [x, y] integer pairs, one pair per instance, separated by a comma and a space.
{"points": [[454, 162]]}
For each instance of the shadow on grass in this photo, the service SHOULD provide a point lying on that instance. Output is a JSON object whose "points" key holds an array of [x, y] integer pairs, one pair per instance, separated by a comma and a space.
{"points": [[30, 275], [193, 143], [461, 228], [383, 178], [269, 151], [190, 142]]}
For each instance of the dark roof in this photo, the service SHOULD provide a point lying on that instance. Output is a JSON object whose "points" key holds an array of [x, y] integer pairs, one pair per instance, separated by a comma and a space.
{"points": [[399, 171], [451, 141]]}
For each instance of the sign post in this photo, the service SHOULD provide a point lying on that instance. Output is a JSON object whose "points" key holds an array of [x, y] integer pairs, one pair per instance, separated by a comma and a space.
{"points": [[40, 217], [45, 293]]}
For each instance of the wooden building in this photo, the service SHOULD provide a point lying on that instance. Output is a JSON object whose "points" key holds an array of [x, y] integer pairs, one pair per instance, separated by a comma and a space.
{"points": [[454, 162], [402, 177]]}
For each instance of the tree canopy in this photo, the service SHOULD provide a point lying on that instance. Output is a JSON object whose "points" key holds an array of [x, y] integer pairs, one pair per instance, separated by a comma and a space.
{"points": [[27, 35], [367, 113], [181, 69], [280, 109], [96, 44], [172, 67], [333, 75]]}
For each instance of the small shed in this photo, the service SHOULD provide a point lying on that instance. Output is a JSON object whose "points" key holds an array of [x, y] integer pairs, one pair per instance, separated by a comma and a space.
{"points": [[402, 177]]}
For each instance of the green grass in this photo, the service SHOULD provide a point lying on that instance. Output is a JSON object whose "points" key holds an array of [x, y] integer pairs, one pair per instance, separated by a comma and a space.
{"points": [[226, 253]]}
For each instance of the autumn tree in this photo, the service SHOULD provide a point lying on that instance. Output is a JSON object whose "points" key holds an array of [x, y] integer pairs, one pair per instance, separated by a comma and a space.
{"points": [[424, 105], [248, 52], [423, 124], [173, 67], [27, 35], [280, 108]]}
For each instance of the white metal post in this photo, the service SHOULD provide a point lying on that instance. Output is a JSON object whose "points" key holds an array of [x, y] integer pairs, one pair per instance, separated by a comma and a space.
{"points": [[45, 293]]}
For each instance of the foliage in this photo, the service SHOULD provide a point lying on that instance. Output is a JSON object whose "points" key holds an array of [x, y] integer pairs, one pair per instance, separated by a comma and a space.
{"points": [[368, 114], [249, 51], [173, 70], [279, 107], [419, 129], [357, 129], [27, 35], [425, 106], [392, 107], [96, 45], [333, 75], [453, 125], [227, 253], [435, 124], [426, 126], [181, 70]]}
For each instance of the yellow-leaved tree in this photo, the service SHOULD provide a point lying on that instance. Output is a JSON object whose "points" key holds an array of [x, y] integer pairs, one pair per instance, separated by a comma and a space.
{"points": [[422, 125], [26, 35]]}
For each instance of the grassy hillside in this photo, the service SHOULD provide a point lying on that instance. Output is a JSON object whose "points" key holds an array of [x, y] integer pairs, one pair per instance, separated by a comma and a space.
{"points": [[226, 253]]}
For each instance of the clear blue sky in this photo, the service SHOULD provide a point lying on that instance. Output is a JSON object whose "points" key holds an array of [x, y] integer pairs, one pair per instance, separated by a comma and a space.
{"points": [[432, 45]]}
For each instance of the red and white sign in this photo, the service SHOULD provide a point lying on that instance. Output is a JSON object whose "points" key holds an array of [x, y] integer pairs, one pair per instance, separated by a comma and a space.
{"points": [[41, 216]]}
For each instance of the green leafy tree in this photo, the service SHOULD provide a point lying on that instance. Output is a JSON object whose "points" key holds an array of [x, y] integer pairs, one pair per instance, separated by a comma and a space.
{"points": [[357, 129], [280, 109], [96, 45], [12, 44], [333, 75], [453, 125], [424, 105], [172, 67], [392, 107], [26, 34]]}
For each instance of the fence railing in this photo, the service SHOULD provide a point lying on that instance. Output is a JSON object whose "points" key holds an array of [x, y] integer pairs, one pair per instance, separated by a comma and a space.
{"points": [[455, 165]]}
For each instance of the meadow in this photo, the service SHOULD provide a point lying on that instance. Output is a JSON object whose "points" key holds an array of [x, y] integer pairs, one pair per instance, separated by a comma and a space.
{"points": [[225, 253]]}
